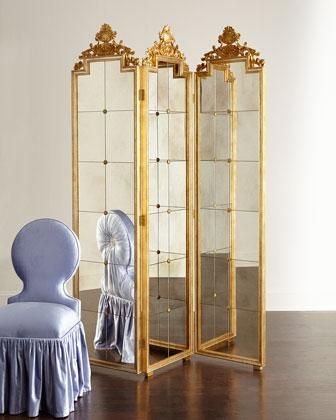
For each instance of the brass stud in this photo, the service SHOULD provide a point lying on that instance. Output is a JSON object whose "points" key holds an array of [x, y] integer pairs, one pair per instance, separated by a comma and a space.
{"points": [[168, 211], [229, 210], [158, 251], [215, 295], [215, 114], [168, 310], [105, 262], [105, 212], [158, 206], [229, 160], [229, 111], [168, 261], [168, 110], [158, 297], [105, 162], [168, 162], [104, 111], [158, 159], [157, 113]]}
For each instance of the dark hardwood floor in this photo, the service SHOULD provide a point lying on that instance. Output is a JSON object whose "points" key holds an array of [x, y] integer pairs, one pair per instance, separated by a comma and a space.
{"points": [[299, 382]]}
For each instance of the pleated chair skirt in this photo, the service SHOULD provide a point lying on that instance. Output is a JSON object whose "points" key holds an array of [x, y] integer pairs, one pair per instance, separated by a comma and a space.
{"points": [[43, 374]]}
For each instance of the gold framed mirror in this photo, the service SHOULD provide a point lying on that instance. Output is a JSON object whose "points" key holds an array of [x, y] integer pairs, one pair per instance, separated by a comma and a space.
{"points": [[168, 202], [167, 138], [230, 202], [106, 198]]}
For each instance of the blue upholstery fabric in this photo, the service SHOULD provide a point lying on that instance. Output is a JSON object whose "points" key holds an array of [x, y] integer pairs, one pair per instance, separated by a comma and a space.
{"points": [[115, 321], [36, 319], [45, 254], [43, 355], [43, 374]]}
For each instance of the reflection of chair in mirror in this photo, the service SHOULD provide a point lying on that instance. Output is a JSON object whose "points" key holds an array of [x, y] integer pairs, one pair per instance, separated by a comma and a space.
{"points": [[43, 353], [115, 323]]}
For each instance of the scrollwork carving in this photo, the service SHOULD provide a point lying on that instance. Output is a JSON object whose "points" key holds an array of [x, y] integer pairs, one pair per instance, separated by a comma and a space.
{"points": [[107, 46], [166, 46], [230, 48]]}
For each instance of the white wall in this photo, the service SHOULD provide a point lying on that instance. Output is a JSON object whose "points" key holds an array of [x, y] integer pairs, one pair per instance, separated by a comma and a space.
{"points": [[39, 41]]}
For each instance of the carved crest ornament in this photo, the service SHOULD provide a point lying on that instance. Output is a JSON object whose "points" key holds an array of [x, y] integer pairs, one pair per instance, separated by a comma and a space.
{"points": [[166, 47], [229, 48], [107, 47]]}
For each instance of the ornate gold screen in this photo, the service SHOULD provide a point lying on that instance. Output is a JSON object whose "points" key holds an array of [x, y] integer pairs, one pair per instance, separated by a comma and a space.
{"points": [[180, 156]]}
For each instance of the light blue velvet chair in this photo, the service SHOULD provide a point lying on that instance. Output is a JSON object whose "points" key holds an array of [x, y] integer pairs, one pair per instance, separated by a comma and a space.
{"points": [[43, 355]]}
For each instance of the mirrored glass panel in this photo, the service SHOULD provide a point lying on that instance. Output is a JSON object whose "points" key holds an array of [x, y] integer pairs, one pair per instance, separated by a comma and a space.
{"points": [[228, 132], [168, 209], [216, 321], [106, 203]]}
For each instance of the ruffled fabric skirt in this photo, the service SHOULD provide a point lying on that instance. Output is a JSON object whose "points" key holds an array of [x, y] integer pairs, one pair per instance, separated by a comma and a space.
{"points": [[115, 326], [43, 374]]}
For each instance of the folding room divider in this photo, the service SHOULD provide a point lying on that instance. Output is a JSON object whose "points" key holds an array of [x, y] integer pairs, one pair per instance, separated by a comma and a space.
{"points": [[168, 202]]}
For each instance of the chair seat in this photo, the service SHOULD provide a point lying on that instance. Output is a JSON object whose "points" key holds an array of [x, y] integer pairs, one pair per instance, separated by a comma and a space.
{"points": [[36, 320]]}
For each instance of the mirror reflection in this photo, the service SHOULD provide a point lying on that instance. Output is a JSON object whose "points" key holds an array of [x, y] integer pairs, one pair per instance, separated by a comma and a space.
{"points": [[229, 189], [168, 315], [106, 210]]}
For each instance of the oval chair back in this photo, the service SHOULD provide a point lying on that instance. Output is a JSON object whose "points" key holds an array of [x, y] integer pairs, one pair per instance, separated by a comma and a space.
{"points": [[45, 255]]}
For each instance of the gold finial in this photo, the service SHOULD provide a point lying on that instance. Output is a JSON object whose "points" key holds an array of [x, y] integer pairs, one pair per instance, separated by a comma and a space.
{"points": [[230, 48], [166, 35], [105, 34], [166, 47], [229, 36], [107, 46]]}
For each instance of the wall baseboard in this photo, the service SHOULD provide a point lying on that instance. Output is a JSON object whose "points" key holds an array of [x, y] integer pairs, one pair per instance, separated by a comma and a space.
{"points": [[276, 301], [324, 300]]}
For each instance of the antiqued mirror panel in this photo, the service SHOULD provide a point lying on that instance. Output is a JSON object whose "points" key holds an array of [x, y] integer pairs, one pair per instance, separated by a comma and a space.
{"points": [[106, 208], [216, 317], [168, 212]]}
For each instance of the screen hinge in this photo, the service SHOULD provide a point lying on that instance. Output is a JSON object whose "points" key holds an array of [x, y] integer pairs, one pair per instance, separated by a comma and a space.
{"points": [[142, 220], [141, 94]]}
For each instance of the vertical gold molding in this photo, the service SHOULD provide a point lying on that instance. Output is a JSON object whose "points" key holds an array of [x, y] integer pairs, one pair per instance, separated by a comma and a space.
{"points": [[190, 286], [137, 228], [75, 198], [144, 275], [198, 259], [262, 232], [233, 186]]}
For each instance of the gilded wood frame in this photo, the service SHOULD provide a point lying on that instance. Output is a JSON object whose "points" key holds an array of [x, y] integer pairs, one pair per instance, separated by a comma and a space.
{"points": [[231, 51], [107, 49], [166, 51], [162, 53]]}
